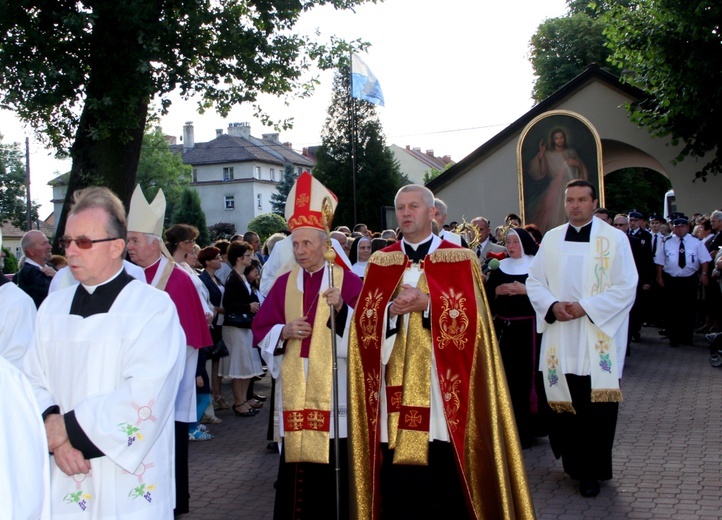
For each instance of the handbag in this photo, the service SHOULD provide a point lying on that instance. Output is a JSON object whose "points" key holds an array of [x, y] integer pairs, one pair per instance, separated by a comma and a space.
{"points": [[219, 349], [239, 320]]}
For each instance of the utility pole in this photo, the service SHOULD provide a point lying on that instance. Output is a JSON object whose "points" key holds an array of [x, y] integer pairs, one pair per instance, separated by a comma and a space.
{"points": [[27, 183]]}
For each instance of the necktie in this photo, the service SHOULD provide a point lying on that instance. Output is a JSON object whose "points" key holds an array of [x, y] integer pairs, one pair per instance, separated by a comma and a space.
{"points": [[682, 261], [654, 245]]}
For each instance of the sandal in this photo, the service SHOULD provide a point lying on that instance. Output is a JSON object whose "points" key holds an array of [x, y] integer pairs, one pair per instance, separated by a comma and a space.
{"points": [[220, 403], [207, 419], [254, 403], [250, 413]]}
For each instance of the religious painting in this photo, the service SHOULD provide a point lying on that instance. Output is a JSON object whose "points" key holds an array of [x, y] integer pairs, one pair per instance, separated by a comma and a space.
{"points": [[556, 147]]}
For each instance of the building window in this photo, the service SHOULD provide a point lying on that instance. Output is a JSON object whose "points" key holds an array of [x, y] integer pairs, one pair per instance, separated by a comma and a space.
{"points": [[273, 174], [258, 173], [194, 175], [298, 170], [260, 201], [230, 202], [227, 174]]}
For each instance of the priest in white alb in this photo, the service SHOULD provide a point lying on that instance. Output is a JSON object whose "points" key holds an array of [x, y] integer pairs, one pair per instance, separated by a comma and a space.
{"points": [[582, 285], [104, 364]]}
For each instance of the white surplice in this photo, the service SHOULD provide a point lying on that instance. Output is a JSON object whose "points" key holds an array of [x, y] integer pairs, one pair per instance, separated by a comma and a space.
{"points": [[17, 319], [569, 280], [24, 472], [120, 373]]}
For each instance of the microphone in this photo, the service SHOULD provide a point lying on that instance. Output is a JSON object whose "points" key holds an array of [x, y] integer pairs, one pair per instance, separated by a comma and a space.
{"points": [[491, 265]]}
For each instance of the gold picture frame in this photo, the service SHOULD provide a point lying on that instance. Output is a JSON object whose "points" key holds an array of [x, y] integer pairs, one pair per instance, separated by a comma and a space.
{"points": [[554, 148]]}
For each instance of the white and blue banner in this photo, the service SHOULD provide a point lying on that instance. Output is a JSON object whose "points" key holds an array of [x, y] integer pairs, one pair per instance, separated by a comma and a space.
{"points": [[364, 84]]}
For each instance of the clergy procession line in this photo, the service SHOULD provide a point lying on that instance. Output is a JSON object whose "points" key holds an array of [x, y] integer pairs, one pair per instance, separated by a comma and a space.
{"points": [[419, 372]]}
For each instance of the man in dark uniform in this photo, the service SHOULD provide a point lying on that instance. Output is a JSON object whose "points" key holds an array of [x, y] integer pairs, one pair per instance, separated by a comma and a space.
{"points": [[682, 263], [655, 293], [641, 242]]}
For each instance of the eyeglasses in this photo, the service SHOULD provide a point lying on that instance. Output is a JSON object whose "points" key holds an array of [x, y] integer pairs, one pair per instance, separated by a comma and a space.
{"points": [[82, 243]]}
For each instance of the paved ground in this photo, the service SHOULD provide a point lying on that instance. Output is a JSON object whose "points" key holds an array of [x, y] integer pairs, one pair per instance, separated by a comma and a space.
{"points": [[667, 453]]}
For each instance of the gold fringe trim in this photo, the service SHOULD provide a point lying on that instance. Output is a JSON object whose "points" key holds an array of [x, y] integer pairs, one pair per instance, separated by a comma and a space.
{"points": [[387, 259], [562, 406], [602, 395], [452, 255]]}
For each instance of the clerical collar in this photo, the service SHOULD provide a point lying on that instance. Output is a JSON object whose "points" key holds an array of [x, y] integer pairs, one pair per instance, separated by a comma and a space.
{"points": [[578, 234], [91, 288], [151, 265], [311, 273], [86, 304], [579, 228], [416, 246]]}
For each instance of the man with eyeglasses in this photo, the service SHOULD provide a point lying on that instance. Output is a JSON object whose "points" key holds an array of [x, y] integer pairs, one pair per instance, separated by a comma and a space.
{"points": [[682, 264], [104, 366]]}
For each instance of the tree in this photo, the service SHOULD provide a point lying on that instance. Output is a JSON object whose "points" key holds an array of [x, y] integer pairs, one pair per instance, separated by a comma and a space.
{"points": [[378, 176], [434, 173], [11, 263], [278, 199], [635, 188], [13, 193], [673, 52], [189, 212], [563, 47], [84, 73], [222, 230], [159, 167], [267, 224]]}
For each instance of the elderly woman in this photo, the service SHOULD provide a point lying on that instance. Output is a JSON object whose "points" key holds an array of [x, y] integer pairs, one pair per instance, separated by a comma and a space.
{"points": [[243, 363], [515, 324]]}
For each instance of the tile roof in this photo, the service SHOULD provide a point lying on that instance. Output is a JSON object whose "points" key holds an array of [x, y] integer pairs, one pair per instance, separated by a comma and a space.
{"points": [[230, 149]]}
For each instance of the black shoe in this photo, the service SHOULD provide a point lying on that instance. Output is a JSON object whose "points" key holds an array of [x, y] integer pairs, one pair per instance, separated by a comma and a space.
{"points": [[663, 332], [589, 488], [636, 338], [272, 446]]}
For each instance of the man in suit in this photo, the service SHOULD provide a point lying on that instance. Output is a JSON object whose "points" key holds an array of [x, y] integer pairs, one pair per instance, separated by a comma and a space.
{"points": [[35, 276], [440, 216], [641, 242], [485, 246]]}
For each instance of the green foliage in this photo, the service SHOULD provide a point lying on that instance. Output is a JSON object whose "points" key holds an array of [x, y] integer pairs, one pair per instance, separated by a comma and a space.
{"points": [[222, 230], [159, 167], [83, 74], [267, 224], [13, 194], [189, 212], [672, 50], [563, 47], [11, 263], [378, 176], [635, 188], [278, 199], [434, 173]]}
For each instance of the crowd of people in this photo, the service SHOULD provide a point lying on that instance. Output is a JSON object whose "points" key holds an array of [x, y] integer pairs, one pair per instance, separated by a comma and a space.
{"points": [[455, 347]]}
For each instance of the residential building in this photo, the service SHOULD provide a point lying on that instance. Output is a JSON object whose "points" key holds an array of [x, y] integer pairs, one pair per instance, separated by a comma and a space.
{"points": [[236, 174], [415, 164]]}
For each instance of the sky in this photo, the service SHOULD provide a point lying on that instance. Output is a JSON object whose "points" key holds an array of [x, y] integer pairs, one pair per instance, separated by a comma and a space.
{"points": [[453, 74]]}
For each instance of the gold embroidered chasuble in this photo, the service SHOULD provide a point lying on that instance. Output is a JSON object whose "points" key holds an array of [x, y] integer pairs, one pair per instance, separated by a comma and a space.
{"points": [[307, 397], [476, 402]]}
